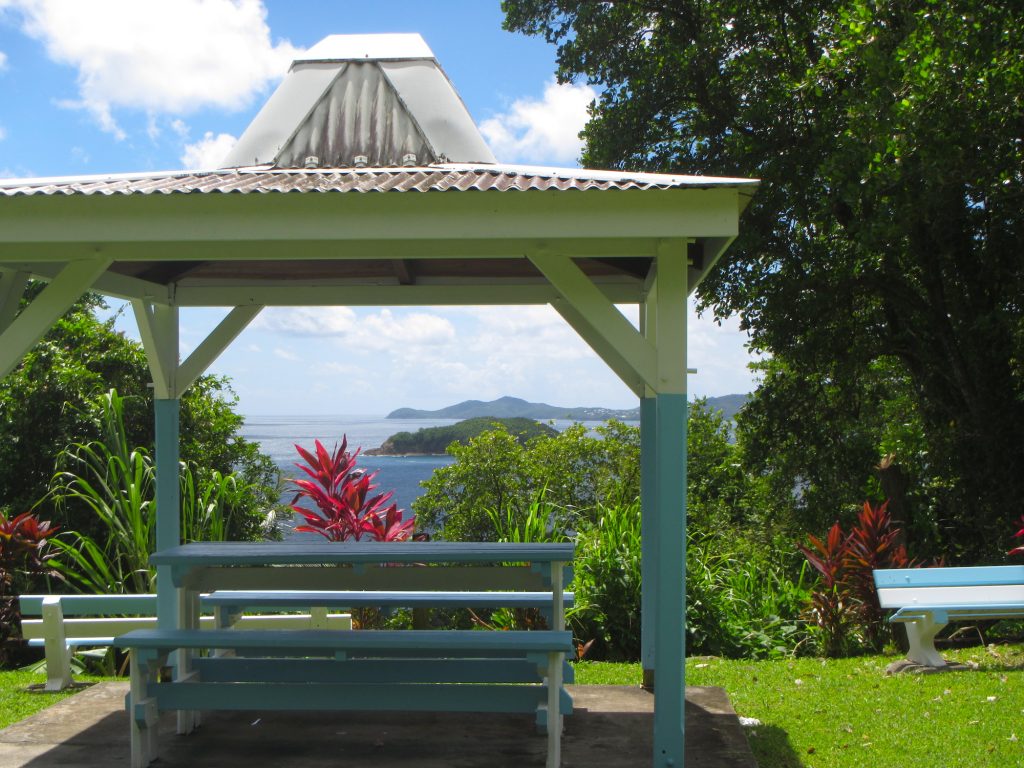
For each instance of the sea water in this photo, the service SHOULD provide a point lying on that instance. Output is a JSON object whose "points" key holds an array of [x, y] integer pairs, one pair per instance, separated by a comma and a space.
{"points": [[403, 475], [278, 436]]}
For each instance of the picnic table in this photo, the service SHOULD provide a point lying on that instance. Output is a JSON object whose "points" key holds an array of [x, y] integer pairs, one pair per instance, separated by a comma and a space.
{"points": [[432, 670]]}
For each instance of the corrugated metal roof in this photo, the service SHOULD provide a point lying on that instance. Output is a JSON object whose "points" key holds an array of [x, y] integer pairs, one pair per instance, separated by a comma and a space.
{"points": [[434, 178]]}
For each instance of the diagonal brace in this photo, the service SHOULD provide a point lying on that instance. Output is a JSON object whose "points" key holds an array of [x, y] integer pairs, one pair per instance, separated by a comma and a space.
{"points": [[214, 344], [602, 326], [38, 317]]}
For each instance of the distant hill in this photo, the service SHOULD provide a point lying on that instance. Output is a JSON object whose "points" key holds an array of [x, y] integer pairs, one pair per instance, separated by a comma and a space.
{"points": [[435, 440], [514, 407]]}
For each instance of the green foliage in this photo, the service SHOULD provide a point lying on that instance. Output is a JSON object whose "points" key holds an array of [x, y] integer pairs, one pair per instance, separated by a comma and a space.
{"points": [[115, 482], [742, 603], [888, 226], [435, 440], [51, 400], [607, 583], [495, 472]]}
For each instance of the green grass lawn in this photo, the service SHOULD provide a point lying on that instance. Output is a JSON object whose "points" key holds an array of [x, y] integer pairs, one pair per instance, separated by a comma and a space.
{"points": [[815, 713], [846, 713]]}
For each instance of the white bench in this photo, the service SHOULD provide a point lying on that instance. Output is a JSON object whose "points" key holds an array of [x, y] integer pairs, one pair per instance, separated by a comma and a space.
{"points": [[347, 670], [67, 622], [927, 599]]}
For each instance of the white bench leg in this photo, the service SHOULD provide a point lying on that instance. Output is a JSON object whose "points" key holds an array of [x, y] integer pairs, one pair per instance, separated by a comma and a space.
{"points": [[921, 638], [58, 655]]}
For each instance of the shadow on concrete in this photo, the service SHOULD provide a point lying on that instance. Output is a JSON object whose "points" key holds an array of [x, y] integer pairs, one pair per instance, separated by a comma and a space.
{"points": [[610, 728]]}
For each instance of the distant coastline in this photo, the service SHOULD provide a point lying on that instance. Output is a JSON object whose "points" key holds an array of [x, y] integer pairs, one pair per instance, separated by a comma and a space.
{"points": [[514, 407]]}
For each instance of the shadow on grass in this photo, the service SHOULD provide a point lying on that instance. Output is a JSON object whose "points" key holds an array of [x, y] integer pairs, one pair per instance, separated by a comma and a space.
{"points": [[771, 747]]}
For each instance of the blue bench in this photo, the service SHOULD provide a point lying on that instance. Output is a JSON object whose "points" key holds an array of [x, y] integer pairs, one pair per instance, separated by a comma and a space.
{"points": [[449, 671], [67, 622], [927, 599]]}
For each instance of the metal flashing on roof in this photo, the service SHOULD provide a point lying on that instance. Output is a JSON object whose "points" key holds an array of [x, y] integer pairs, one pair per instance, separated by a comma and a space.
{"points": [[379, 97]]}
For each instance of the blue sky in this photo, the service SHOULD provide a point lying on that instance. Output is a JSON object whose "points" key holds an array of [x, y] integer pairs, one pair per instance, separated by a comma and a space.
{"points": [[127, 85]]}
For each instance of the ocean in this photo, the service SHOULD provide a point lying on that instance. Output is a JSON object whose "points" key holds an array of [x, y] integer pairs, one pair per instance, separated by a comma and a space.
{"points": [[277, 436]]}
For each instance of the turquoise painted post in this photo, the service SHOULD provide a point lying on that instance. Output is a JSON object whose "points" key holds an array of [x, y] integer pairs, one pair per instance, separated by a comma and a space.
{"points": [[168, 504], [648, 534], [670, 636]]}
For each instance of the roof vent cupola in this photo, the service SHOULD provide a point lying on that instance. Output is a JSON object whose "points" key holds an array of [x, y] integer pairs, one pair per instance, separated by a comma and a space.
{"points": [[379, 98]]}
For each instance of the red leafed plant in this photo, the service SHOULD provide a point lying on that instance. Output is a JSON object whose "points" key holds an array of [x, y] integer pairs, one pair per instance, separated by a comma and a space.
{"points": [[24, 555], [1019, 535], [341, 492], [847, 594]]}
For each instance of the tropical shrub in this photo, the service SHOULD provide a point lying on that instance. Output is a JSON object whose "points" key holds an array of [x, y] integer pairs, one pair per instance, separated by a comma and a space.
{"points": [[341, 494], [494, 471], [116, 483], [844, 606], [741, 602], [1019, 534], [52, 400], [607, 583], [25, 553]]}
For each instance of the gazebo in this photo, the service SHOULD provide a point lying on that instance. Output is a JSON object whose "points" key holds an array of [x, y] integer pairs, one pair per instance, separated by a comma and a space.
{"points": [[364, 182]]}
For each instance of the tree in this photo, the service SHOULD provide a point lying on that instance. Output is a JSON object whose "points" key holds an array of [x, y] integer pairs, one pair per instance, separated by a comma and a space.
{"points": [[889, 223], [50, 401]]}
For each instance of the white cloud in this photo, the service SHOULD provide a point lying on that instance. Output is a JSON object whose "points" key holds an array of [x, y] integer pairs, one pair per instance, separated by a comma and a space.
{"points": [[163, 57], [541, 131], [307, 321], [3, 133], [208, 152], [285, 354], [3, 61], [416, 328]]}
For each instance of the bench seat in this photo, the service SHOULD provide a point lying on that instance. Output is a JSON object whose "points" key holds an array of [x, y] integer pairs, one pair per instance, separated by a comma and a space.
{"points": [[352, 672], [67, 622], [927, 599]]}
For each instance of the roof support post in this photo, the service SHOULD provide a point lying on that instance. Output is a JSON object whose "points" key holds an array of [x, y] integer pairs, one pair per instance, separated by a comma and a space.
{"points": [[37, 318], [158, 327], [598, 322], [670, 490], [214, 344], [648, 500]]}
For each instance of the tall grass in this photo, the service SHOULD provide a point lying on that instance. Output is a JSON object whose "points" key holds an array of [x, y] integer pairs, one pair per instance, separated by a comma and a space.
{"points": [[117, 483]]}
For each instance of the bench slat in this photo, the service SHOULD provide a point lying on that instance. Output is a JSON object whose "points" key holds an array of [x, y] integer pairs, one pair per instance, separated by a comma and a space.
{"points": [[902, 597], [350, 599], [316, 640], [949, 577]]}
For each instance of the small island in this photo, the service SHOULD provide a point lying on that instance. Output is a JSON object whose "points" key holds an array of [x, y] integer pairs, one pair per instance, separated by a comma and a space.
{"points": [[434, 441]]}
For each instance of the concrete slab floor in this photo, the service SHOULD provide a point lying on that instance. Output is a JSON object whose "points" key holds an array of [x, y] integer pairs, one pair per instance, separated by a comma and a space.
{"points": [[610, 728]]}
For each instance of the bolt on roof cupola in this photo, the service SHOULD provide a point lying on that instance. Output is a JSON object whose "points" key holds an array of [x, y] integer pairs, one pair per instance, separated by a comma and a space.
{"points": [[362, 101]]}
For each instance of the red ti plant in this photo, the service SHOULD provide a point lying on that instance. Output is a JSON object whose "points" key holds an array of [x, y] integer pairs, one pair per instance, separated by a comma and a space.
{"points": [[872, 544], [345, 508], [1018, 535], [845, 561], [24, 555], [831, 607]]}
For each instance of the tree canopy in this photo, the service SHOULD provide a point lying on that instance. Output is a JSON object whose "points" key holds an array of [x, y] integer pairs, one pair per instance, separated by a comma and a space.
{"points": [[879, 264], [50, 401]]}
